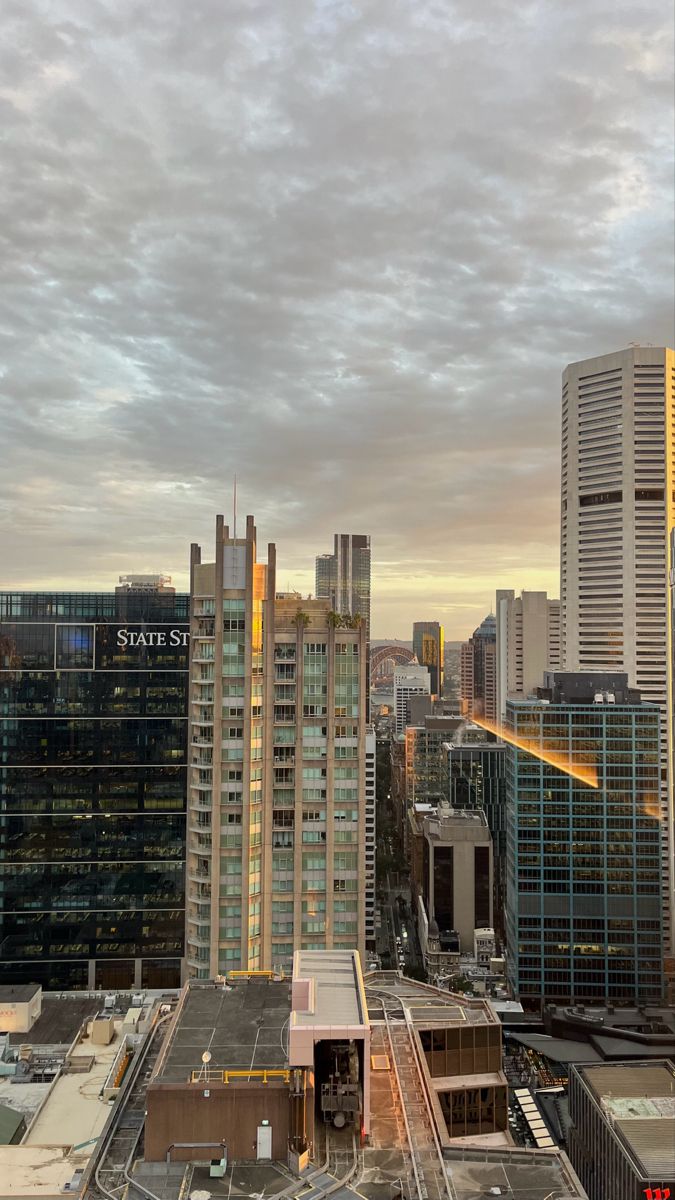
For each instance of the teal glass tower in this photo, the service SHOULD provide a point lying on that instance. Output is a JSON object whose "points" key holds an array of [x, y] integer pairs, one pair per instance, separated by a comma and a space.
{"points": [[583, 899]]}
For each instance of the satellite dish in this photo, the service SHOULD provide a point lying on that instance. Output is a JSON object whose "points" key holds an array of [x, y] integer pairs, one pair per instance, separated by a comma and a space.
{"points": [[206, 1056]]}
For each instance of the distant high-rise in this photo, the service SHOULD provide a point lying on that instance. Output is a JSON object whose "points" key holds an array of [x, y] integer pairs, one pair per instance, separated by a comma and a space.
{"points": [[475, 778], [528, 643], [280, 804], [618, 514], [583, 894], [409, 680], [428, 648], [343, 577], [478, 672], [424, 767]]}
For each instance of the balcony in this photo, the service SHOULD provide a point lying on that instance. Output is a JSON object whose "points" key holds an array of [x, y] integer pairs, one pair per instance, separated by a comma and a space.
{"points": [[197, 940], [200, 914], [199, 876], [199, 962], [206, 626], [204, 652], [196, 827], [200, 894]]}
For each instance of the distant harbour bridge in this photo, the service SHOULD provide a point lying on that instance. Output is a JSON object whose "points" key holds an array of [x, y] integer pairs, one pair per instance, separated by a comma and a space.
{"points": [[384, 659]]}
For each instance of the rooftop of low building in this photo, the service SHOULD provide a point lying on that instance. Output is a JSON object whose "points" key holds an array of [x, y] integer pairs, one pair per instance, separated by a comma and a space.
{"points": [[59, 1022], [518, 1174], [17, 993], [425, 1004], [241, 1025], [337, 994], [441, 822], [638, 1101], [38, 1171]]}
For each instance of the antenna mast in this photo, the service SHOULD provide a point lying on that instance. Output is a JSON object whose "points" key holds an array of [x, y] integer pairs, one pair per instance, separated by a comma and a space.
{"points": [[234, 510]]}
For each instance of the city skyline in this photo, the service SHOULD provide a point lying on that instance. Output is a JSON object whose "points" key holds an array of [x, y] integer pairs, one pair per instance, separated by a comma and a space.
{"points": [[253, 242]]}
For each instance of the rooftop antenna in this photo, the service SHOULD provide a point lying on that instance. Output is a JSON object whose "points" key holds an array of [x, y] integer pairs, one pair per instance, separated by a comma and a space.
{"points": [[234, 510]]}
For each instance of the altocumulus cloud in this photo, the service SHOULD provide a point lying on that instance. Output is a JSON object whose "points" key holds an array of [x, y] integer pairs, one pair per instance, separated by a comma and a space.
{"points": [[341, 248]]}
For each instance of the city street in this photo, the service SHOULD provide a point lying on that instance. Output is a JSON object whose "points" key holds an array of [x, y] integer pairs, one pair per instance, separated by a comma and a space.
{"points": [[397, 923]]}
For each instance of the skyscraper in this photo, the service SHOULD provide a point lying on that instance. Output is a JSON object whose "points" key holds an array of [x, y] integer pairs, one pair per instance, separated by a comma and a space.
{"points": [[279, 839], [475, 778], [618, 514], [528, 643], [93, 716], [478, 672], [428, 648], [409, 680], [343, 577], [583, 895]]}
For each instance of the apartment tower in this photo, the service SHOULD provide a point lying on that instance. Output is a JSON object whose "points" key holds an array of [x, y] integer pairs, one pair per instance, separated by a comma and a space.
{"points": [[617, 520], [277, 806]]}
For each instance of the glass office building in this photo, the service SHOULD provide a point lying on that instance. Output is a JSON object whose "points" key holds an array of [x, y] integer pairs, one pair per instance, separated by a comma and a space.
{"points": [[428, 643], [476, 780], [93, 711], [583, 918], [343, 577]]}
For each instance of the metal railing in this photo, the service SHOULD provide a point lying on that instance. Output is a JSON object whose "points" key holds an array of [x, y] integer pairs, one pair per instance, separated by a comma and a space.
{"points": [[208, 1075]]}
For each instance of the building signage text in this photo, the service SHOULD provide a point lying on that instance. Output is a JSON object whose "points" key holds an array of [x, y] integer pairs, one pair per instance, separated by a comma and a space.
{"points": [[161, 637]]}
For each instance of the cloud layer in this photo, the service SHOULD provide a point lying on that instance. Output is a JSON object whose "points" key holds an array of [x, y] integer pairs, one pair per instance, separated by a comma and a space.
{"points": [[343, 248]]}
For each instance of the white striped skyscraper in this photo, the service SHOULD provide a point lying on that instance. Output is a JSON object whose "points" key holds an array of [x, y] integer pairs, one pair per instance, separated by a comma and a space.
{"points": [[618, 513]]}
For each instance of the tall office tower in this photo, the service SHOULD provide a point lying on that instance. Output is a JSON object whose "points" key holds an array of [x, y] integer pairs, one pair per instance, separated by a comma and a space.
{"points": [[93, 775], [478, 672], [475, 779], [277, 789], [429, 649], [409, 680], [583, 907], [424, 760], [618, 513], [528, 643], [343, 577], [451, 862], [370, 796]]}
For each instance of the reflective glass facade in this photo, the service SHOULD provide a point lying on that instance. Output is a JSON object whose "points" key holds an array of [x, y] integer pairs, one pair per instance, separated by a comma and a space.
{"points": [[475, 779], [93, 712], [583, 863], [429, 650], [343, 577]]}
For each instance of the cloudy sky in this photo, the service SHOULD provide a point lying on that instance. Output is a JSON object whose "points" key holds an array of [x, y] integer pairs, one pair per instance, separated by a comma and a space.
{"points": [[343, 248]]}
